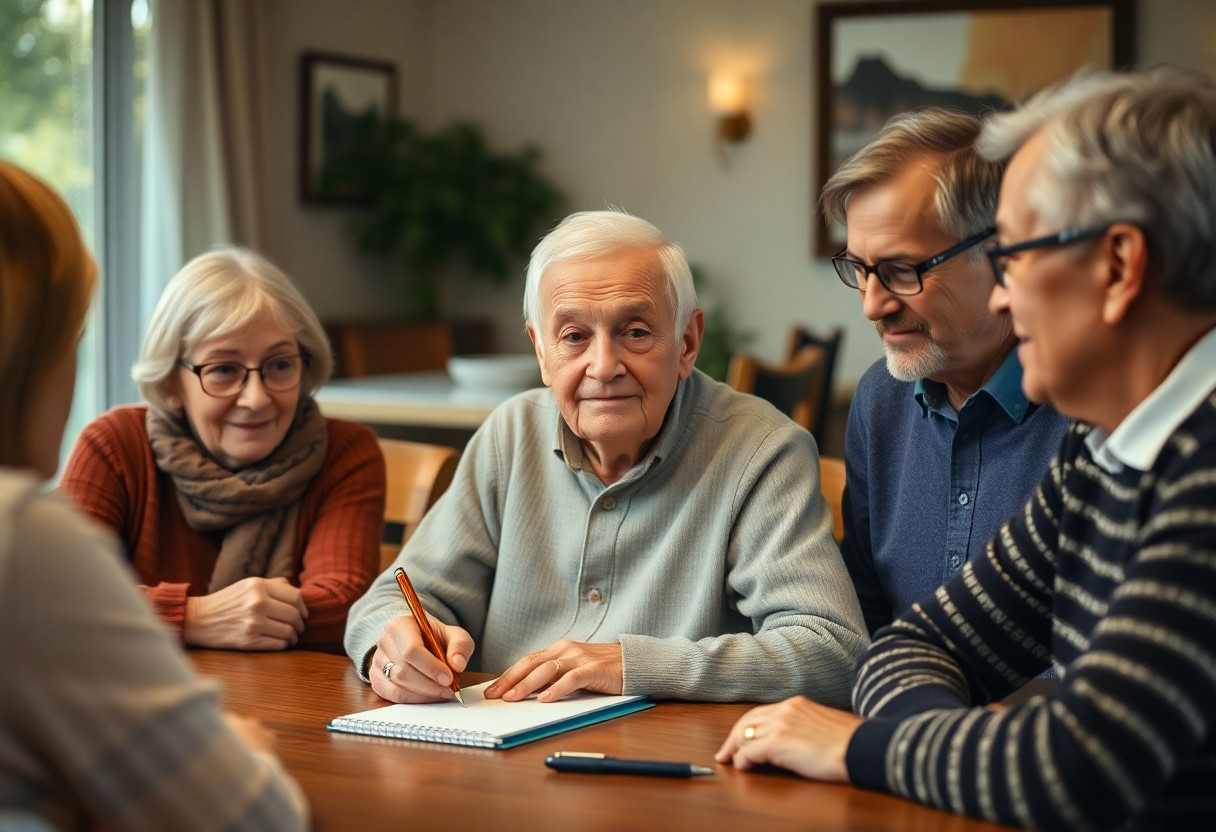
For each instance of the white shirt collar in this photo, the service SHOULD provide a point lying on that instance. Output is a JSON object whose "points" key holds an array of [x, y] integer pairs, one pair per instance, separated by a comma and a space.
{"points": [[1139, 438]]}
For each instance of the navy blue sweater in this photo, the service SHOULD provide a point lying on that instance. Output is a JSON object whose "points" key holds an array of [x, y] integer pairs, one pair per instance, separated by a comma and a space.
{"points": [[927, 487], [1112, 575]]}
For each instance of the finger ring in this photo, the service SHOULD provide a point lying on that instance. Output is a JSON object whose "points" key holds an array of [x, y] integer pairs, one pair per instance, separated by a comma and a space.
{"points": [[388, 668], [749, 733], [557, 665]]}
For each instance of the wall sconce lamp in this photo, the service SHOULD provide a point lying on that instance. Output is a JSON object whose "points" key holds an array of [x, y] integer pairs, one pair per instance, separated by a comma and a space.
{"points": [[728, 101]]}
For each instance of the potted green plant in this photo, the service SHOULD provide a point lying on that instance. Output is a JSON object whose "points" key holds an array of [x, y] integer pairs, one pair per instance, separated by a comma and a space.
{"points": [[722, 338], [442, 198]]}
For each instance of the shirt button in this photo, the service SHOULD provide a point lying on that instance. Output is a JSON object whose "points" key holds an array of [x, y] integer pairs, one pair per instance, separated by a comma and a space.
{"points": [[963, 499], [609, 503], [594, 596], [954, 561]]}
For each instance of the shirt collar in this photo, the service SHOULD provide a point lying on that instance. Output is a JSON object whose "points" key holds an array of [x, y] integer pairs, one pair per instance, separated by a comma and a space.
{"points": [[1004, 386], [1139, 438]]}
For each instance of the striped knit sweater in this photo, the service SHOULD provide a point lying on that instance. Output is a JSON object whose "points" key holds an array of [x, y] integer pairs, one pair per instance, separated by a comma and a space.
{"points": [[1112, 577]]}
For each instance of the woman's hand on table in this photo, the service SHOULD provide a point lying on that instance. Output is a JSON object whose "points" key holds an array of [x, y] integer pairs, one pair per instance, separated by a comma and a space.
{"points": [[797, 734], [251, 614], [559, 670], [415, 675]]}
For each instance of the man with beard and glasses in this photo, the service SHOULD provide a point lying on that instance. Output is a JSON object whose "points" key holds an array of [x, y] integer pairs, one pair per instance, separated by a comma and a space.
{"points": [[942, 445]]}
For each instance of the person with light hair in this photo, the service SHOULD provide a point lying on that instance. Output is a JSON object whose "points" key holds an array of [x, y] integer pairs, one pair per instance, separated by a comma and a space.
{"points": [[635, 527], [1105, 258], [941, 445], [252, 522], [102, 722]]}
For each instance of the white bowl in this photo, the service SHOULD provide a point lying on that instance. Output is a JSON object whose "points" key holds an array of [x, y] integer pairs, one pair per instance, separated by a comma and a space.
{"points": [[516, 372]]}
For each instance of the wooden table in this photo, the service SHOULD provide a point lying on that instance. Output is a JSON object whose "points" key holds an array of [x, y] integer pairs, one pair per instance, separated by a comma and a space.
{"points": [[412, 399], [369, 783]]}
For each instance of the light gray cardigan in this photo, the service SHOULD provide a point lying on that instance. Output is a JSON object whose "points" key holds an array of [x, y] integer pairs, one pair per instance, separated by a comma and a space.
{"points": [[712, 561]]}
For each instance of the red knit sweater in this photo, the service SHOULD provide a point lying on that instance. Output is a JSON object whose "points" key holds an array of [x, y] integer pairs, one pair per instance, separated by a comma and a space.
{"points": [[113, 477]]}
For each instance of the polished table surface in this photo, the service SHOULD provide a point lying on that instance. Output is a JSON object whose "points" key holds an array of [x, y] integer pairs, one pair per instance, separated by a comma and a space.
{"points": [[356, 782], [421, 399]]}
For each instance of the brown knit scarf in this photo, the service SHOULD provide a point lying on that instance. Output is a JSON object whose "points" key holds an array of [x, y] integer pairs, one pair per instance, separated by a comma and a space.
{"points": [[257, 506]]}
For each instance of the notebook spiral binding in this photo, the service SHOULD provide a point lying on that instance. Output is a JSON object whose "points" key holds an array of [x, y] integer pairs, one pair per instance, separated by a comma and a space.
{"points": [[451, 736]]}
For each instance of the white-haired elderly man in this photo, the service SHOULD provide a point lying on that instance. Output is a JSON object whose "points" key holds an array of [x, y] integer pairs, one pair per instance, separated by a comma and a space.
{"points": [[1106, 259], [636, 527]]}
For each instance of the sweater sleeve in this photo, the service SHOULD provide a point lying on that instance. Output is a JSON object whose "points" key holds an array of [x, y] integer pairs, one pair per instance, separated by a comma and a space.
{"points": [[786, 575], [98, 478], [1132, 707], [342, 555], [450, 557], [136, 740]]}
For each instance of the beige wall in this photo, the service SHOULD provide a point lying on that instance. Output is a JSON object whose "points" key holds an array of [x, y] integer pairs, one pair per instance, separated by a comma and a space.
{"points": [[614, 92]]}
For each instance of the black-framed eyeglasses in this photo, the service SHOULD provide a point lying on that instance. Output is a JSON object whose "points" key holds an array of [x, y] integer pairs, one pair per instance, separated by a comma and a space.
{"points": [[222, 379], [997, 255], [900, 278]]}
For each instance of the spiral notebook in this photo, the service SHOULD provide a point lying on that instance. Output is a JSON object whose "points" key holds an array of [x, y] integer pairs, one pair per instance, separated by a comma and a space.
{"points": [[488, 723]]}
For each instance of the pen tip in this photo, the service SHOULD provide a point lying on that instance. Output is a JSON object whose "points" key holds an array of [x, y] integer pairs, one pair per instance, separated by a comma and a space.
{"points": [[460, 699], [697, 770]]}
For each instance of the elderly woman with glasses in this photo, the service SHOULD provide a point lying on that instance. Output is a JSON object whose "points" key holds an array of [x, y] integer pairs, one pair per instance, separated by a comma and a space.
{"points": [[252, 522]]}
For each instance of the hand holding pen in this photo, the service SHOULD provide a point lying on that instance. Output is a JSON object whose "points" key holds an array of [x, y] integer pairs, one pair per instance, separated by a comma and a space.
{"points": [[416, 659]]}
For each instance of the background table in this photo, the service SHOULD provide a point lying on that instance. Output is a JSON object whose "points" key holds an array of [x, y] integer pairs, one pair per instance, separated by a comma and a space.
{"points": [[356, 782], [415, 399]]}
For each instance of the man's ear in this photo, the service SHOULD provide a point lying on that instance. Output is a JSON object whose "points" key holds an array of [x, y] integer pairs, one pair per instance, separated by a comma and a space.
{"points": [[690, 342], [540, 358], [1127, 261]]}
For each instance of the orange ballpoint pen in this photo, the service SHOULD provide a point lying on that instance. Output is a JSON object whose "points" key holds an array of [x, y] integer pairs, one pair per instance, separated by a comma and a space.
{"points": [[424, 625]]}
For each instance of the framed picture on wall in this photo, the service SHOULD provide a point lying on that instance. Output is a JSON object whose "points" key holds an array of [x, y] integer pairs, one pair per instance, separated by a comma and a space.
{"points": [[340, 97], [878, 59]]}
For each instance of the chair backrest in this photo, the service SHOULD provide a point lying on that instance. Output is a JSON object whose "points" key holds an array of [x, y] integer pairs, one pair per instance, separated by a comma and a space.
{"points": [[795, 388], [799, 338], [831, 483], [376, 348], [417, 475]]}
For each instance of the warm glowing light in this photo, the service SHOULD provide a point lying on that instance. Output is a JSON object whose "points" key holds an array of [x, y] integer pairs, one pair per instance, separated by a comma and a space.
{"points": [[727, 94]]}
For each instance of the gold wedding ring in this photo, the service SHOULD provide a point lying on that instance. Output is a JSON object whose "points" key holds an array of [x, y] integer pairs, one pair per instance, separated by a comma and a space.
{"points": [[749, 733], [557, 665]]}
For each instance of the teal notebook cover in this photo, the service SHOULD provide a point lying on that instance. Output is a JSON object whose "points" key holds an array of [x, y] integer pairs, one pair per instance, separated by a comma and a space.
{"points": [[488, 723]]}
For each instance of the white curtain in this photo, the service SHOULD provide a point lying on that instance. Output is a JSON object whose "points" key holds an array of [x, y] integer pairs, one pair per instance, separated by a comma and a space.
{"points": [[207, 151]]}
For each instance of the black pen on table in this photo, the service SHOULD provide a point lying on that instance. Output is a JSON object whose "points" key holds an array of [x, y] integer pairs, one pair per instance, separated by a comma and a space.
{"points": [[424, 626], [586, 762]]}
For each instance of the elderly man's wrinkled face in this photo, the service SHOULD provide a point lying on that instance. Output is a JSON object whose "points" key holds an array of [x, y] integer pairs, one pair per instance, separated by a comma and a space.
{"points": [[1054, 296], [608, 347]]}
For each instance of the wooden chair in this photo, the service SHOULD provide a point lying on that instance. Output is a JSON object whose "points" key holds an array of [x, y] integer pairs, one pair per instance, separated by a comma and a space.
{"points": [[795, 388], [799, 338], [831, 483], [376, 348], [417, 475]]}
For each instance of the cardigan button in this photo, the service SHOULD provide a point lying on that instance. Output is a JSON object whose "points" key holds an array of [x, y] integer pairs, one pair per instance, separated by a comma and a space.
{"points": [[594, 596], [963, 499], [609, 503]]}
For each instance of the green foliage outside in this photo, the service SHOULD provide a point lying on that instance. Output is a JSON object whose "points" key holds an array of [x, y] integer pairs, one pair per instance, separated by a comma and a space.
{"points": [[723, 338], [46, 95], [444, 198]]}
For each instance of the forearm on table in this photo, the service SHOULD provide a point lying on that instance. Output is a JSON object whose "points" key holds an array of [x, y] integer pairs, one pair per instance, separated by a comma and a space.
{"points": [[168, 600], [741, 667]]}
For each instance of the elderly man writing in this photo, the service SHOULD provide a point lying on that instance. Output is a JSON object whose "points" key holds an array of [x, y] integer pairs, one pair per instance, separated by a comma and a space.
{"points": [[635, 528], [1106, 260]]}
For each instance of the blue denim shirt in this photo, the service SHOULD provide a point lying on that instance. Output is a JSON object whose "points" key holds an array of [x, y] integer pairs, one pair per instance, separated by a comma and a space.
{"points": [[928, 486]]}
